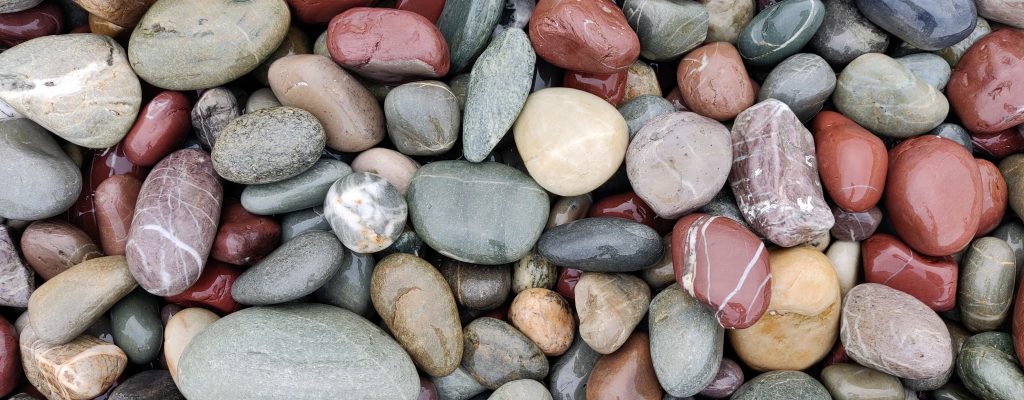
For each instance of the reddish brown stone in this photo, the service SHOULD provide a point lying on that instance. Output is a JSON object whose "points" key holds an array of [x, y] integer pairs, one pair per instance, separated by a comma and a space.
{"points": [[103, 27], [244, 238], [585, 36], [126, 13], [851, 160], [115, 207], [890, 262], [52, 246], [727, 380], [985, 89], [998, 144], [611, 87], [427, 389], [10, 359], [105, 163], [628, 373], [676, 99], [630, 206], [837, 356], [724, 266], [160, 128], [318, 12], [933, 195], [855, 226], [41, 20], [994, 197], [212, 290], [567, 280], [714, 83], [429, 9], [387, 45]]}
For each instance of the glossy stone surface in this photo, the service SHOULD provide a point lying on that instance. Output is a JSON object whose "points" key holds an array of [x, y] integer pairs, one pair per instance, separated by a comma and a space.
{"points": [[212, 290], [545, 317], [666, 28], [307, 189], [570, 372], [765, 137], [422, 118], [161, 127], [977, 89], [41, 180], [933, 221], [81, 369], [928, 67], [568, 209], [115, 201], [136, 326], [602, 245], [387, 45], [213, 111], [780, 31], [609, 307], [855, 227], [727, 380], [365, 211], [256, 353], [252, 149], [686, 342], [310, 259], [932, 280], [162, 225], [467, 26], [320, 12], [562, 36], [495, 353], [51, 247], [714, 83], [994, 197], [475, 286], [987, 367], [875, 321], [803, 81], [349, 288], [498, 86], [924, 24], [846, 34], [852, 162], [179, 331], [17, 27], [628, 373], [16, 280], [244, 238], [533, 271], [986, 284], [147, 385]]}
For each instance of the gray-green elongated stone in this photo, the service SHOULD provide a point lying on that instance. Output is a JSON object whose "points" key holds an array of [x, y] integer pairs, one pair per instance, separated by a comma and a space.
{"points": [[301, 191], [295, 269], [989, 368], [985, 288], [667, 28], [269, 145], [137, 328], [298, 222], [349, 288], [498, 86], [790, 385], [423, 118], [37, 178], [467, 26], [686, 342], [803, 81], [295, 351]]}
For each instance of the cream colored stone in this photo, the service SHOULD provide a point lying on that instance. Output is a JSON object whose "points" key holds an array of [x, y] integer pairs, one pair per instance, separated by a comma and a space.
{"points": [[180, 330], [571, 141], [640, 80], [394, 167], [845, 258], [609, 307], [80, 369]]}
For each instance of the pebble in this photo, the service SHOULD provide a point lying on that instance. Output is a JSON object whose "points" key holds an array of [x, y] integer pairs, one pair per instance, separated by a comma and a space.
{"points": [[226, 40], [846, 259], [994, 197], [115, 201], [803, 81], [467, 26], [924, 24], [213, 111], [395, 167], [212, 290], [643, 109], [652, 19], [641, 80], [928, 67], [852, 163], [314, 12], [495, 353], [147, 385], [80, 369], [17, 27], [661, 273], [629, 206], [726, 19], [780, 31], [295, 42], [17, 282], [121, 12], [627, 373], [568, 209], [52, 246], [601, 245], [365, 211], [975, 87], [686, 342], [592, 37], [252, 149], [310, 259], [161, 127], [179, 331], [546, 318], [41, 180], [1004, 11], [609, 307], [137, 329], [307, 189], [727, 380], [499, 84], [988, 368], [846, 34], [932, 280], [521, 389], [713, 82], [1012, 232], [570, 372], [782, 384], [422, 118], [477, 287], [985, 292], [458, 385], [413, 46], [851, 381], [260, 99], [349, 288], [244, 238], [274, 342], [533, 271]]}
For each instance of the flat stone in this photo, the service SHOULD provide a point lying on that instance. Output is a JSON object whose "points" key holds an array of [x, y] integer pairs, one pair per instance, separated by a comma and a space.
{"points": [[852, 163], [803, 81], [40, 180], [932, 280], [496, 353], [570, 372], [477, 287], [601, 245], [924, 24], [686, 342], [780, 31], [782, 384], [423, 118], [349, 288], [521, 389], [388, 45], [726, 19], [643, 109], [994, 62], [714, 83], [244, 238], [80, 369], [545, 317], [310, 260], [365, 211], [985, 293], [179, 331], [147, 385], [268, 146], [609, 307], [686, 22], [498, 86], [846, 34], [213, 111], [17, 282], [988, 368], [307, 189], [467, 26], [258, 352], [226, 40]]}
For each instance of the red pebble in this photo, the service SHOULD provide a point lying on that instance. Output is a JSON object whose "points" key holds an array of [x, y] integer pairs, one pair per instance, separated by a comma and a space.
{"points": [[160, 128], [212, 290], [243, 237]]}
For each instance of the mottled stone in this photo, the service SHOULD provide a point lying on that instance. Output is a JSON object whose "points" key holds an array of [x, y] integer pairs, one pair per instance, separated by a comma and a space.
{"points": [[580, 36], [268, 146], [641, 80], [147, 385], [179, 331], [846, 34], [686, 342], [467, 26], [932, 280], [533, 271], [388, 45], [727, 380], [365, 211], [782, 384], [310, 260], [714, 83], [977, 89], [213, 111], [924, 24], [498, 87], [609, 307], [852, 162], [244, 238], [985, 292], [225, 40], [477, 287], [666, 29], [601, 244], [307, 189], [136, 326], [17, 282], [988, 368], [628, 373], [496, 353], [65, 306], [726, 19], [52, 246], [423, 118], [545, 317], [78, 370], [38, 178], [803, 81]]}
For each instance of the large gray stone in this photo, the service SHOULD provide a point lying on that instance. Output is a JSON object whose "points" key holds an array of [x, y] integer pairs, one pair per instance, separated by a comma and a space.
{"points": [[295, 269], [686, 342], [269, 145], [38, 179]]}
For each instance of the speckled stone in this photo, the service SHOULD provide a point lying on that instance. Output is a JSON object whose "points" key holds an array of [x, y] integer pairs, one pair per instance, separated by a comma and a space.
{"points": [[609, 307], [726, 19], [885, 97], [310, 259], [498, 86], [212, 112], [467, 26], [803, 81], [147, 385], [924, 24], [533, 271], [87, 93], [985, 287], [602, 244], [136, 325], [496, 353], [851, 381], [641, 79], [305, 190], [422, 117], [794, 385], [225, 40], [516, 14], [477, 287], [780, 31], [988, 368], [846, 34], [955, 133], [686, 342], [16, 280], [643, 109], [365, 211], [38, 178], [268, 146], [265, 352], [458, 385], [666, 28], [928, 67]]}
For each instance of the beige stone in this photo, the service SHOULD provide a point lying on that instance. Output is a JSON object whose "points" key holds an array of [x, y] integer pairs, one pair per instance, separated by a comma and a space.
{"points": [[80, 369], [845, 257], [545, 317], [180, 330], [394, 167], [727, 18], [609, 307], [640, 80]]}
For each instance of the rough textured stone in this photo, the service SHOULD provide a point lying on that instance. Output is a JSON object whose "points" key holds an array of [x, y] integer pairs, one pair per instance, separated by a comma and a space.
{"points": [[609, 307], [803, 81], [1009, 12], [987, 366], [310, 260], [726, 19], [423, 118], [495, 353], [666, 28], [307, 189], [16, 281], [686, 342], [81, 369], [601, 244], [846, 34], [498, 85], [467, 26], [268, 146], [65, 306]]}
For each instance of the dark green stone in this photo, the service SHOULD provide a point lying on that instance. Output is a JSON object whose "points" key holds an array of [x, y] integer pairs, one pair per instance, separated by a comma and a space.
{"points": [[989, 368], [780, 31], [137, 328], [985, 287], [467, 26], [686, 342], [498, 86], [349, 288], [852, 381]]}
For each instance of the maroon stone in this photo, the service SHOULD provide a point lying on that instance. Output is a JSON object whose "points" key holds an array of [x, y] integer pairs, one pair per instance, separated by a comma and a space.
{"points": [[243, 237], [890, 262], [998, 144], [855, 226], [724, 266], [318, 12], [610, 87], [212, 290], [837, 356], [175, 222], [105, 163], [52, 246], [429, 9], [985, 90], [387, 45], [10, 358], [851, 160], [567, 280], [676, 99], [727, 380], [41, 20], [427, 389], [115, 207], [994, 197], [586, 36], [630, 206], [160, 128], [714, 83], [933, 195]]}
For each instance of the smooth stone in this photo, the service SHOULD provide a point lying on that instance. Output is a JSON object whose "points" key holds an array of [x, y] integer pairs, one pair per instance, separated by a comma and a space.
{"points": [[714, 83], [182, 236], [307, 189], [244, 238], [570, 372], [546, 318], [422, 117], [115, 201], [846, 259], [851, 381], [601, 245], [763, 136], [569, 209], [147, 385], [724, 267], [257, 352], [627, 373], [42, 20], [553, 125], [727, 380], [643, 109], [686, 342], [125, 13], [213, 111], [994, 197], [846, 34], [467, 26], [499, 84], [977, 89], [521, 389], [52, 246], [928, 67], [78, 370], [780, 31], [431, 9], [161, 127], [212, 290], [388, 45], [919, 169], [852, 162], [657, 172], [987, 366], [88, 96], [314, 12], [952, 54], [268, 146], [855, 226], [924, 24], [419, 311], [295, 42], [985, 293], [666, 28], [98, 25], [477, 287], [365, 211], [397, 168], [803, 81], [496, 353], [932, 280], [17, 282], [458, 385], [610, 87], [12, 6], [310, 259], [533, 271], [592, 37], [408, 242], [641, 79], [782, 384], [349, 288], [40, 180], [179, 331], [885, 97], [7, 112], [260, 99], [724, 205], [955, 133], [726, 19], [802, 321], [297, 222], [876, 319], [65, 306], [226, 40], [952, 391], [1008, 12], [352, 119], [609, 307], [1012, 171], [661, 273], [10, 359], [136, 326], [476, 195]]}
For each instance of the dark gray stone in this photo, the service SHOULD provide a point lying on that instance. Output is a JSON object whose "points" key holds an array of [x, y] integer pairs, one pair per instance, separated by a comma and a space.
{"points": [[137, 328], [305, 190], [569, 374], [154, 384], [294, 270], [846, 34], [477, 287], [803, 81], [349, 288], [467, 26], [496, 353], [955, 133], [924, 24], [601, 245], [296, 223], [641, 110]]}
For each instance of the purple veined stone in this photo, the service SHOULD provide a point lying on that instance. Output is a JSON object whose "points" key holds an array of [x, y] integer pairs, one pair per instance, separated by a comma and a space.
{"points": [[16, 280], [855, 226], [727, 380], [175, 223]]}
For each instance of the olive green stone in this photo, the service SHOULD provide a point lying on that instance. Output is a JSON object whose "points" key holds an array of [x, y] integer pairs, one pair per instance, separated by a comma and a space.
{"points": [[496, 353], [269, 145], [294, 270], [666, 28], [851, 381], [780, 31], [467, 26], [498, 86], [423, 118], [349, 288], [533, 271], [790, 385], [477, 287], [302, 191], [989, 368], [137, 327], [985, 288]]}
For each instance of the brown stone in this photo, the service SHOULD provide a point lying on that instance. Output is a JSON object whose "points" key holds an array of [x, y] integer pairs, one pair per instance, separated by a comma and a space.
{"points": [[610, 87], [79, 370], [584, 36], [319, 12], [103, 27], [53, 246], [388, 45], [714, 83], [852, 161], [394, 167], [984, 90], [124, 13], [994, 197], [628, 373], [544, 317], [115, 200], [890, 262], [243, 237]]}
